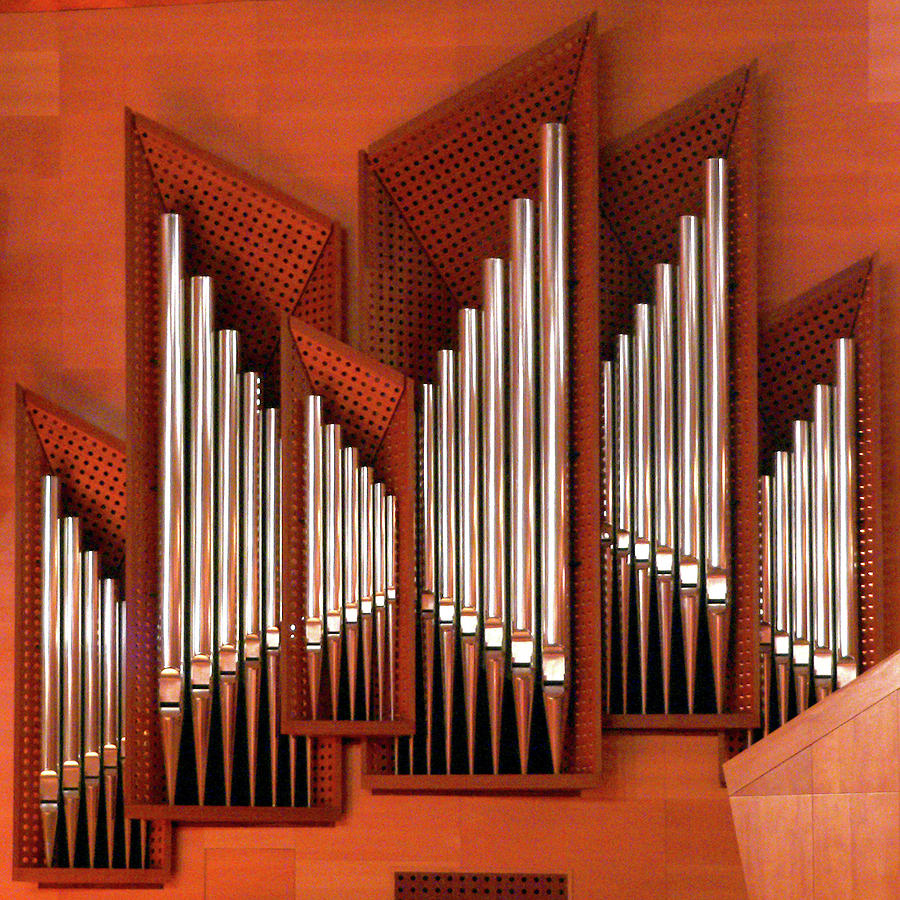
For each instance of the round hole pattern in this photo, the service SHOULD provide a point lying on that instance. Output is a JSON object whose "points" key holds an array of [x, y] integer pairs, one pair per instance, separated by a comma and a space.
{"points": [[479, 886]]}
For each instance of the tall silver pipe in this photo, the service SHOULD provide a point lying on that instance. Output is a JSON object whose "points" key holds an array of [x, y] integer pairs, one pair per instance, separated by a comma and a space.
{"points": [[624, 534], [201, 519], [315, 549], [643, 481], [447, 487], [251, 541], [50, 668], [823, 539], [390, 580], [71, 677], [172, 487], [493, 427], [802, 563], [93, 700], [334, 560], [112, 728], [554, 432], [428, 557], [845, 510], [228, 536], [470, 512], [664, 279], [766, 586], [716, 418], [607, 527], [366, 577], [522, 464], [690, 461], [782, 577], [352, 563], [271, 565]]}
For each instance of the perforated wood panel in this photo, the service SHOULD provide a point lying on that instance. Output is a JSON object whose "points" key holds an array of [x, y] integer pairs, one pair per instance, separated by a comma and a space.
{"points": [[449, 176], [91, 467], [374, 406], [435, 203], [264, 251], [797, 351], [471, 886], [647, 181]]}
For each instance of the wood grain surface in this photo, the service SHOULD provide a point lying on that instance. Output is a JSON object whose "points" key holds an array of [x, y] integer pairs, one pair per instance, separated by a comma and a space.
{"points": [[291, 91]]}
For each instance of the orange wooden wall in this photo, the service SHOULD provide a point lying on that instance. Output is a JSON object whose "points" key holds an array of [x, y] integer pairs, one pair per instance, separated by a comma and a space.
{"points": [[292, 91]]}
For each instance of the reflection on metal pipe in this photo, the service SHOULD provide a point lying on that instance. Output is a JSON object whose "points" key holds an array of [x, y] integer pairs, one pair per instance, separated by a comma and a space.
{"points": [[823, 539], [689, 458], [716, 418], [49, 779], [665, 277], [554, 404], [201, 520], [172, 523], [845, 511], [522, 463]]}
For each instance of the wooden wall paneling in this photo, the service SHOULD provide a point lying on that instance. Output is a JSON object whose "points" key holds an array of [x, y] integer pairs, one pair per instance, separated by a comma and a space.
{"points": [[268, 255], [91, 468]]}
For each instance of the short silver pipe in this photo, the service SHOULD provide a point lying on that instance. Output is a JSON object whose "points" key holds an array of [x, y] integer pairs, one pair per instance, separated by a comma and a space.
{"points": [[380, 592], [50, 637], [554, 403], [845, 510], [689, 408], [523, 437], [607, 522], [716, 381], [315, 524], [447, 483], [93, 701], [201, 481], [366, 577], [272, 527], [469, 458], [782, 553], [801, 550], [72, 648], [228, 522], [428, 496], [112, 727], [493, 429], [390, 580], [823, 537], [665, 276], [251, 505], [334, 544], [351, 539], [623, 501]]}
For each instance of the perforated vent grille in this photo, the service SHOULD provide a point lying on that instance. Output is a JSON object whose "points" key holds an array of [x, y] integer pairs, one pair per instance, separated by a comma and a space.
{"points": [[259, 246], [647, 181], [91, 468], [374, 406], [429, 230], [92, 472], [264, 250], [470, 886], [796, 352]]}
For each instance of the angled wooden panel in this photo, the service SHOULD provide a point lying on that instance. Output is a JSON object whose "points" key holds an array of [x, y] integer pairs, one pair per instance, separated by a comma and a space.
{"points": [[796, 351], [647, 180], [268, 255], [91, 467], [373, 404]]}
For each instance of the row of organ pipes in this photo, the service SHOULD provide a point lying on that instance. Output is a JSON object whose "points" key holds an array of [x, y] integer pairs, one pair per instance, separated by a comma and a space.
{"points": [[493, 458], [665, 452], [82, 740], [351, 590], [808, 551], [220, 538]]}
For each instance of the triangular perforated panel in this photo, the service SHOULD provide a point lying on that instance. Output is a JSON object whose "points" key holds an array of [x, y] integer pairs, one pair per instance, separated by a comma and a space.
{"points": [[357, 392], [655, 175], [261, 247], [452, 172], [796, 351], [91, 466]]}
